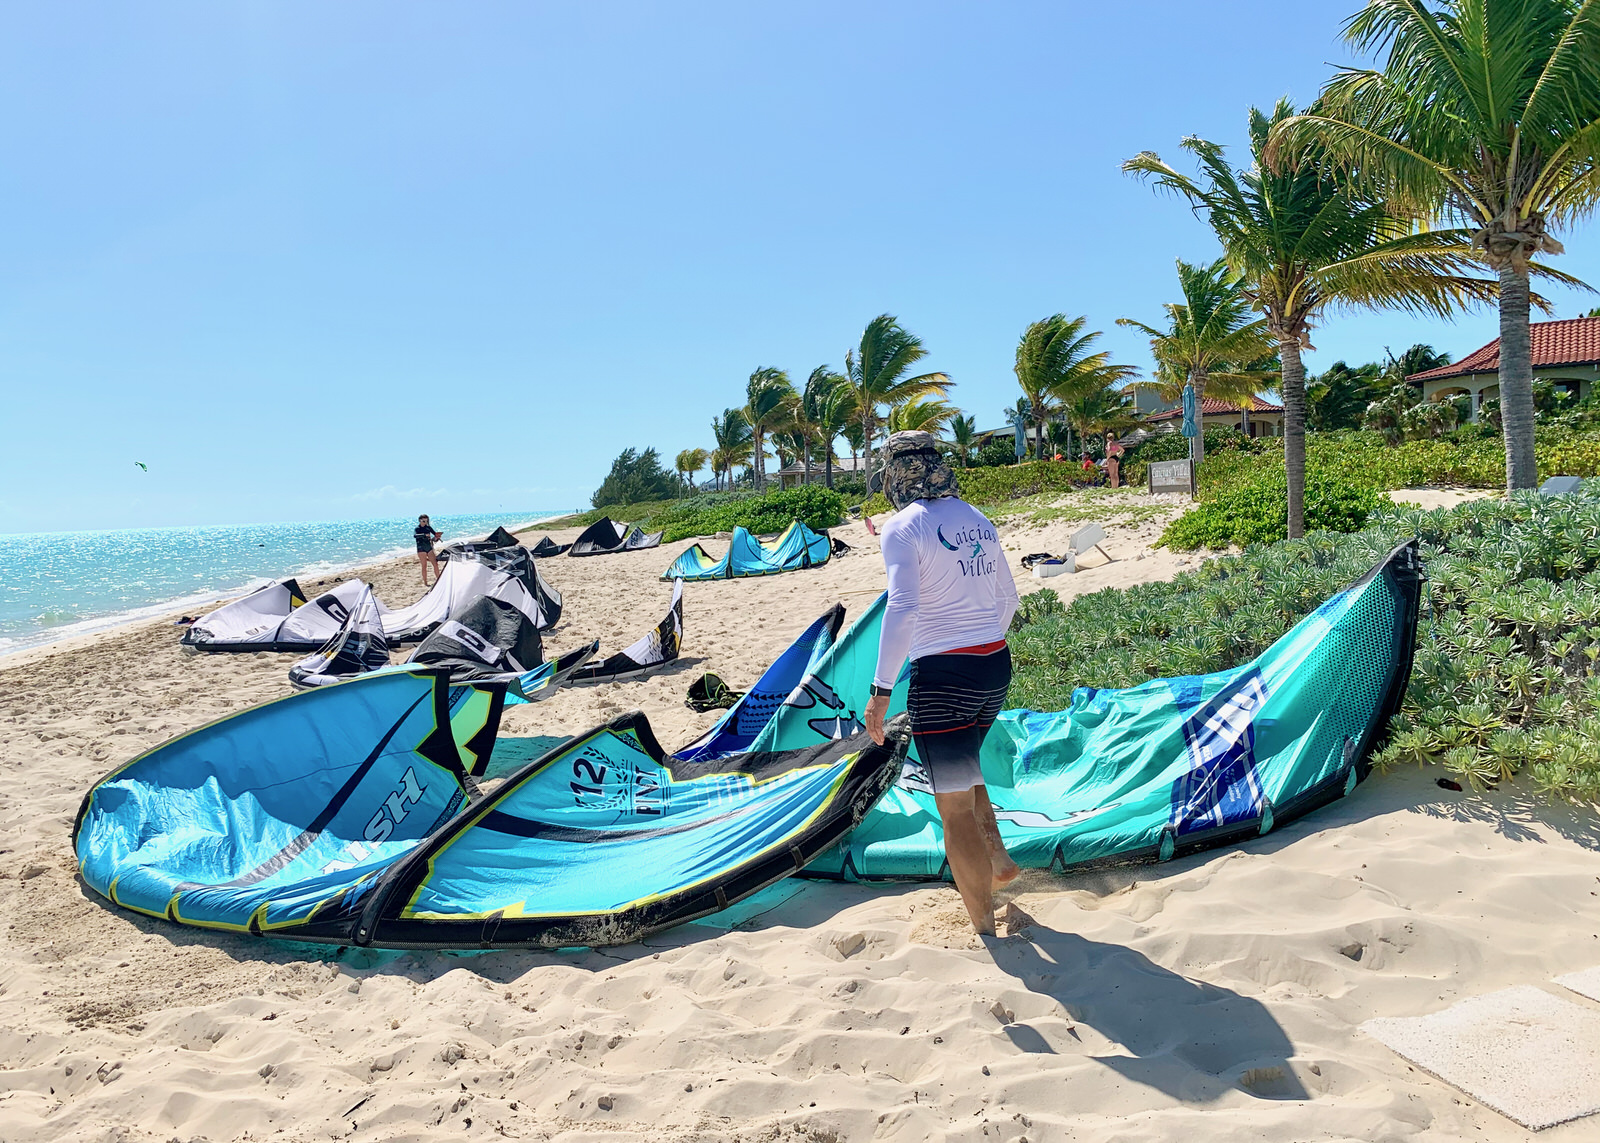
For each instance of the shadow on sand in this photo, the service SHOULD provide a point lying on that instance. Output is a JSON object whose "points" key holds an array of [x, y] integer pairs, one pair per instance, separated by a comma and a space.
{"points": [[1190, 1040]]}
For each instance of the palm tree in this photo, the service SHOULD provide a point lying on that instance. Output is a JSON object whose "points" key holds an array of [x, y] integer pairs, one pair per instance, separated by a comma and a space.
{"points": [[1095, 411], [964, 432], [828, 405], [789, 442], [1485, 115], [929, 414], [689, 462], [876, 372], [1418, 359], [852, 433], [732, 434], [1055, 365], [808, 408], [769, 396], [1301, 243], [1210, 336]]}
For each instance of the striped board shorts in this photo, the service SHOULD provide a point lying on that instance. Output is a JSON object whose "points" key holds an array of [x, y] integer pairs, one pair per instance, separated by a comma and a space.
{"points": [[955, 697]]}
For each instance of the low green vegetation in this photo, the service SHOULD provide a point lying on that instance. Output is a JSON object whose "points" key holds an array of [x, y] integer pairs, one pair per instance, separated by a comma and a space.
{"points": [[1109, 506], [712, 512], [1506, 683], [640, 513], [1470, 457], [1175, 446], [816, 506], [1256, 511], [1345, 472]]}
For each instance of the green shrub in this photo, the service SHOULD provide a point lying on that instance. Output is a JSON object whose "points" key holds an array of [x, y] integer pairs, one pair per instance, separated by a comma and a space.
{"points": [[853, 488], [817, 506], [1467, 457], [1256, 511], [1175, 446], [996, 451], [997, 485], [635, 476], [1506, 680]]}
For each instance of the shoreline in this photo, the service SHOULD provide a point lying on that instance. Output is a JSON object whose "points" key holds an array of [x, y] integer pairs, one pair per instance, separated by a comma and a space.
{"points": [[85, 632]]}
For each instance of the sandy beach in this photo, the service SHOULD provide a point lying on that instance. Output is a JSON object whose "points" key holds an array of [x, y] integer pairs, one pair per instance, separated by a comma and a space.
{"points": [[1213, 998]]}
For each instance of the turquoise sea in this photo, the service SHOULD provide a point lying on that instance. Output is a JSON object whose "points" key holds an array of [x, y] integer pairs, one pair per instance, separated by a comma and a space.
{"points": [[57, 584]]}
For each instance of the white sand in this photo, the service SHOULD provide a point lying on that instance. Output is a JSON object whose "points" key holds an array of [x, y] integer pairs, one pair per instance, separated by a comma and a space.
{"points": [[1218, 997], [1431, 498]]}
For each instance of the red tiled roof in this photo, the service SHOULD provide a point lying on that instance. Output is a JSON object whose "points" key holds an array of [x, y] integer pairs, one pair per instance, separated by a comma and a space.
{"points": [[1575, 341], [1211, 407]]}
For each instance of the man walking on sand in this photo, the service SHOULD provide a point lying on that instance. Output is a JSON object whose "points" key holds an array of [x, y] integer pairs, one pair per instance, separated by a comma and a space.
{"points": [[951, 599]]}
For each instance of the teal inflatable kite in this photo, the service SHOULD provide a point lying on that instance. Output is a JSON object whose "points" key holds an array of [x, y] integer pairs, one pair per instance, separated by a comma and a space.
{"points": [[798, 547], [1143, 774], [349, 815]]}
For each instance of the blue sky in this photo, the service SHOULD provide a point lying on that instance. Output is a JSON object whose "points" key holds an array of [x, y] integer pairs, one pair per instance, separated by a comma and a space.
{"points": [[323, 261]]}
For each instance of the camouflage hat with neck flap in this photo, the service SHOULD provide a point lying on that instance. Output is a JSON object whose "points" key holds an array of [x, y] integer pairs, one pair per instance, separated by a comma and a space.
{"points": [[913, 469]]}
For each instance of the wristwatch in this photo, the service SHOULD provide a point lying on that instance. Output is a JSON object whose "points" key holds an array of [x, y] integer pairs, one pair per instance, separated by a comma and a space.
{"points": [[881, 692]]}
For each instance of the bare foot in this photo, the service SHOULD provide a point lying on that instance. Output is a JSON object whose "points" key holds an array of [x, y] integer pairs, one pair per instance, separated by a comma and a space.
{"points": [[980, 911], [1006, 873]]}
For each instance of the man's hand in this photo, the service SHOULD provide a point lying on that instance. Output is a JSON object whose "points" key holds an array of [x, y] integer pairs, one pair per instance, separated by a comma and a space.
{"points": [[877, 707]]}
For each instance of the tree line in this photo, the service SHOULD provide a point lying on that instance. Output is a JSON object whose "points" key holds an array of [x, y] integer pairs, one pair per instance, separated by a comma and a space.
{"points": [[1430, 182]]}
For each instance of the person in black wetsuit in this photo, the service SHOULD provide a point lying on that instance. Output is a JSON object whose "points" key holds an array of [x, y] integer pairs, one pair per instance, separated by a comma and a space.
{"points": [[425, 539]]}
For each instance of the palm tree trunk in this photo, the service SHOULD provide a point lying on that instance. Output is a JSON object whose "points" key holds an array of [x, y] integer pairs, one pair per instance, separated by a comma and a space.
{"points": [[1294, 429], [805, 463], [1244, 425], [760, 461], [1198, 379], [1516, 380], [827, 465], [866, 446]]}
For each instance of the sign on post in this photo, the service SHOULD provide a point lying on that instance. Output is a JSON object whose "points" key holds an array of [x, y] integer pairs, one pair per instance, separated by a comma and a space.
{"points": [[1171, 476]]}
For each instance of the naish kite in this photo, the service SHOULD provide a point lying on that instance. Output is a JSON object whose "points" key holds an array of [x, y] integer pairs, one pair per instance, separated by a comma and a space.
{"points": [[347, 815], [1151, 772], [795, 548]]}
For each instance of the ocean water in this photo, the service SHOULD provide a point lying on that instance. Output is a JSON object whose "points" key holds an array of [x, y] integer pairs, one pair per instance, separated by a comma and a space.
{"points": [[57, 584]]}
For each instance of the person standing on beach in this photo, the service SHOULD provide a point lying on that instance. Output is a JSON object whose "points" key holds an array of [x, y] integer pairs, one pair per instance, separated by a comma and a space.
{"points": [[1113, 461], [426, 537], [951, 599]]}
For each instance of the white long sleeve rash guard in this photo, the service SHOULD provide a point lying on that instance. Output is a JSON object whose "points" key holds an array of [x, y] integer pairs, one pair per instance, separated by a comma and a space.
{"points": [[949, 583]]}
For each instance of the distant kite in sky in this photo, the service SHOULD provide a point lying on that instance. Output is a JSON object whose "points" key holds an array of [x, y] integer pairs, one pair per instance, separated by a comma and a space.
{"points": [[141, 465]]}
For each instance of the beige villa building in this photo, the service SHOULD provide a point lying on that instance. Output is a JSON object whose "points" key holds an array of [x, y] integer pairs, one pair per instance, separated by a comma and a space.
{"points": [[1565, 353]]}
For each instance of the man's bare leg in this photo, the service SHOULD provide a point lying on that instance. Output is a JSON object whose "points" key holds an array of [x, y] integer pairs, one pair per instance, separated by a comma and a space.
{"points": [[968, 854], [1005, 869]]}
